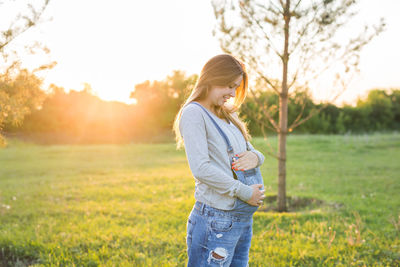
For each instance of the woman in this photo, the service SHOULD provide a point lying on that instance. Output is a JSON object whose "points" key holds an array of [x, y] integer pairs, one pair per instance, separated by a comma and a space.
{"points": [[228, 184]]}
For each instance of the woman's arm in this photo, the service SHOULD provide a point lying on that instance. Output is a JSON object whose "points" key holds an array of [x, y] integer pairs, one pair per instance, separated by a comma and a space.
{"points": [[193, 130]]}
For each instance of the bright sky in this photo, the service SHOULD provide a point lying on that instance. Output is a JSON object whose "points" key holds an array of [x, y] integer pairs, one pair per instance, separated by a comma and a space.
{"points": [[114, 45]]}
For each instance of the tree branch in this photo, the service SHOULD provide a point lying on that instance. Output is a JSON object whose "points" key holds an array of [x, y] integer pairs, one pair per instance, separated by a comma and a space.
{"points": [[12, 34]]}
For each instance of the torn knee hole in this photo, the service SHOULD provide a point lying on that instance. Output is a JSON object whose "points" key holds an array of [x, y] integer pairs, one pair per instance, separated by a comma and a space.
{"points": [[219, 253], [215, 255]]}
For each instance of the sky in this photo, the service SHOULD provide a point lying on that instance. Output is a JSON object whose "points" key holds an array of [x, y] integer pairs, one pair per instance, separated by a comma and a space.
{"points": [[113, 45]]}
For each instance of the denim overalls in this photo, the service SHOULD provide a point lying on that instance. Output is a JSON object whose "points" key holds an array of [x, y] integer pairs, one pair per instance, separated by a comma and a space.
{"points": [[227, 233]]}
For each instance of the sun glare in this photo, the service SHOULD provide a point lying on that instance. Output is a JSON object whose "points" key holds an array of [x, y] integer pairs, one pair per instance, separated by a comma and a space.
{"points": [[120, 45]]}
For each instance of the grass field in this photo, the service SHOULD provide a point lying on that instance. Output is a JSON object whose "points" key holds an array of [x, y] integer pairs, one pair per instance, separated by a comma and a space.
{"points": [[127, 205]]}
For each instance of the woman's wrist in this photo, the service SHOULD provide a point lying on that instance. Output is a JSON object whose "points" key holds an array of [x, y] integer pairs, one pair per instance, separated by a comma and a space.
{"points": [[258, 158], [244, 192]]}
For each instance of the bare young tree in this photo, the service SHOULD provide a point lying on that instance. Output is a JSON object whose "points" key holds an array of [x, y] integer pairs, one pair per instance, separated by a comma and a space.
{"points": [[290, 45]]}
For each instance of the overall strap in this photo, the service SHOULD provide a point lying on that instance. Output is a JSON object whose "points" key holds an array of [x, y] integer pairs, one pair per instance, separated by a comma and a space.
{"points": [[228, 143]]}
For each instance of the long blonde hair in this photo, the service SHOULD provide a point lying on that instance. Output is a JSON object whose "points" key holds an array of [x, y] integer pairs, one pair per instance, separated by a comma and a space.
{"points": [[220, 70]]}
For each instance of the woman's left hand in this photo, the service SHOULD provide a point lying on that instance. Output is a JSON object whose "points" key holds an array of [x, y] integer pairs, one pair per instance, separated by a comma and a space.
{"points": [[247, 160]]}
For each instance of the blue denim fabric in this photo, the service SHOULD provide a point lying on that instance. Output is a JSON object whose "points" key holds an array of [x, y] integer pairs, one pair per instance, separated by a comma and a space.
{"points": [[248, 177], [211, 230], [227, 233]]}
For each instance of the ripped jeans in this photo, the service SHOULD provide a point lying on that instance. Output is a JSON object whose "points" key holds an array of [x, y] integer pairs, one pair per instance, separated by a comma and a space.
{"points": [[218, 238]]}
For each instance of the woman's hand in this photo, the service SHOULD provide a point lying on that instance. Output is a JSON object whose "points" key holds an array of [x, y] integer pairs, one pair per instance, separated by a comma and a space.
{"points": [[246, 161], [258, 195]]}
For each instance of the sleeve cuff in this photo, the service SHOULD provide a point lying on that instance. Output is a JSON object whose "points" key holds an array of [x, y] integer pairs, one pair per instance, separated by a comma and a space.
{"points": [[244, 192], [260, 158], [260, 155]]}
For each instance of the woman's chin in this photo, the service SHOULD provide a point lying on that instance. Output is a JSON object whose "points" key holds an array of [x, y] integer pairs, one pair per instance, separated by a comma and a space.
{"points": [[220, 103]]}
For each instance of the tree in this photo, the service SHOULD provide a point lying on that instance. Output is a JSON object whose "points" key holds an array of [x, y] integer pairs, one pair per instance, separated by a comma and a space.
{"points": [[19, 95], [379, 106], [19, 88], [159, 101], [290, 44]]}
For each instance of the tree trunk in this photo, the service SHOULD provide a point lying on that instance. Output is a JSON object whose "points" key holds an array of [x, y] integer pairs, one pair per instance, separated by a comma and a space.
{"points": [[283, 116]]}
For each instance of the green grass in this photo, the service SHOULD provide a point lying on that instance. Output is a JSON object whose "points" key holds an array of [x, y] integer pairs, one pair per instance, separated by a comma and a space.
{"points": [[127, 205]]}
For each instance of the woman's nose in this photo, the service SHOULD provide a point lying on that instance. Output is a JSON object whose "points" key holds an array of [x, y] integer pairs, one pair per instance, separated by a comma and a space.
{"points": [[233, 91]]}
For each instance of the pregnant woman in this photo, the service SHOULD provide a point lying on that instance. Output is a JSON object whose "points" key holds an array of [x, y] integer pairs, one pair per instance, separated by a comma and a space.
{"points": [[228, 182]]}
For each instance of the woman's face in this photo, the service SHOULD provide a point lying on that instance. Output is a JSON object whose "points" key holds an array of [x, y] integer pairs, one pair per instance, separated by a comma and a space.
{"points": [[218, 95]]}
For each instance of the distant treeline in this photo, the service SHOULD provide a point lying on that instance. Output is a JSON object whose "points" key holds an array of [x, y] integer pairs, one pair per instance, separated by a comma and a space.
{"points": [[81, 117], [379, 111]]}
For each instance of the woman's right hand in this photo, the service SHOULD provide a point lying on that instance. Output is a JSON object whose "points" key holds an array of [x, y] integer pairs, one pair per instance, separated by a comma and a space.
{"points": [[258, 195]]}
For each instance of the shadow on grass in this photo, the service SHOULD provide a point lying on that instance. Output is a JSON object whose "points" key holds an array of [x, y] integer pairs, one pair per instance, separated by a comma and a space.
{"points": [[16, 257], [297, 204]]}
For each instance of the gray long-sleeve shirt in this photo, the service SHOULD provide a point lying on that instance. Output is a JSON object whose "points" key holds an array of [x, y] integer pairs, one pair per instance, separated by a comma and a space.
{"points": [[208, 159]]}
